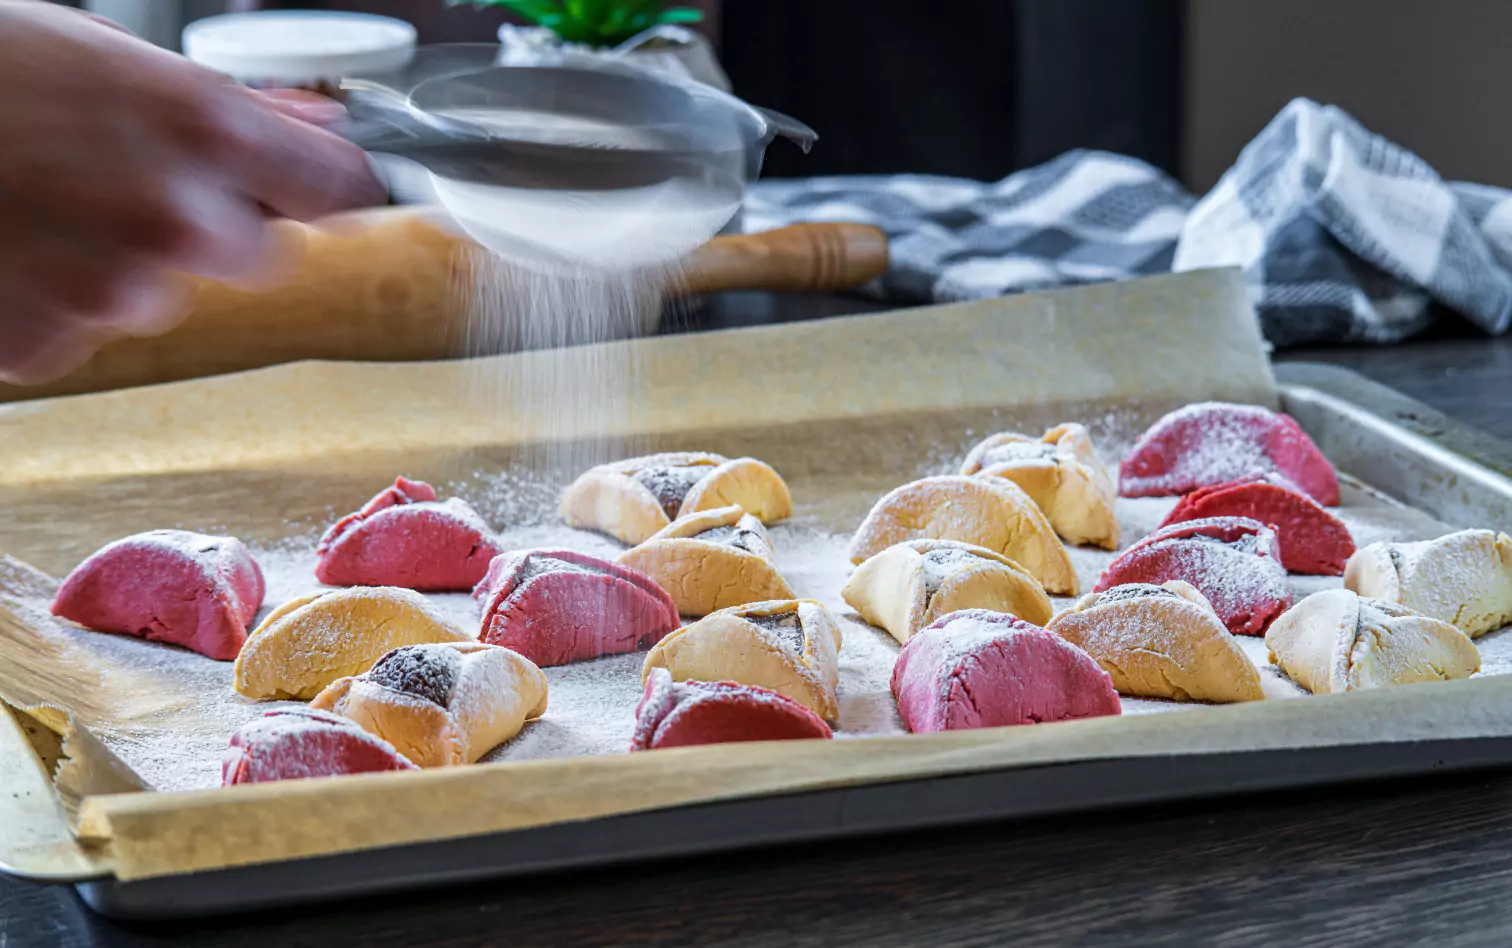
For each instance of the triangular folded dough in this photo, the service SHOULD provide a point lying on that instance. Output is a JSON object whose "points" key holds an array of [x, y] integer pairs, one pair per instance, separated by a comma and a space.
{"points": [[633, 499], [711, 560], [1463, 578], [1235, 562], [309, 642], [983, 511], [1313, 541], [404, 537], [1215, 442], [1062, 473], [198, 591], [443, 704], [685, 713], [909, 585], [559, 606], [1161, 642], [788, 647], [1335, 641], [976, 668], [292, 743]]}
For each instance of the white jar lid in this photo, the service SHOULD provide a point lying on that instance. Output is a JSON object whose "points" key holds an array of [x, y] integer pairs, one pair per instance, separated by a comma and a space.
{"points": [[299, 45]]}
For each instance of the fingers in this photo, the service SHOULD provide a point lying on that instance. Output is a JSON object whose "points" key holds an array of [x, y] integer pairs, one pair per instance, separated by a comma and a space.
{"points": [[40, 347], [44, 343], [64, 299], [148, 303], [303, 172], [66, 355], [308, 107], [210, 230]]}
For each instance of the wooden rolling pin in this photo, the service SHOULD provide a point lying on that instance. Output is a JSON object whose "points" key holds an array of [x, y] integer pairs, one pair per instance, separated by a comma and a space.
{"points": [[386, 287]]}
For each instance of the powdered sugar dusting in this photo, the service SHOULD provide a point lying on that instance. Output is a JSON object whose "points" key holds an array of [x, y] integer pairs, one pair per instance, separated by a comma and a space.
{"points": [[669, 485], [300, 742], [785, 628], [428, 673], [1231, 445], [1017, 451]]}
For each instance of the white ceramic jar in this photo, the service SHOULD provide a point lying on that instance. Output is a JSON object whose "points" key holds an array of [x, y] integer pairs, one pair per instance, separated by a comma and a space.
{"points": [[299, 49]]}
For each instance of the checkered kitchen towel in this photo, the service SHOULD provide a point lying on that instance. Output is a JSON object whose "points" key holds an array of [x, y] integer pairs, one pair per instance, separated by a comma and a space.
{"points": [[1343, 236]]}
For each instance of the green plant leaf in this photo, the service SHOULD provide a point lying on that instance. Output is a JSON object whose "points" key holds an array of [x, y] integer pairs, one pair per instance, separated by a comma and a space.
{"points": [[542, 12], [648, 8], [572, 31], [680, 15], [594, 22], [614, 22]]}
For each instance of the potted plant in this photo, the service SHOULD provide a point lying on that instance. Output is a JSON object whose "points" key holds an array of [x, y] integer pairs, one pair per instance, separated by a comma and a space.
{"points": [[648, 33]]}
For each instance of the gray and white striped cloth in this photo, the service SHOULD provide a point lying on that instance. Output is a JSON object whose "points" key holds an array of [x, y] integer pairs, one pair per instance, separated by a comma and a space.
{"points": [[1343, 235]]}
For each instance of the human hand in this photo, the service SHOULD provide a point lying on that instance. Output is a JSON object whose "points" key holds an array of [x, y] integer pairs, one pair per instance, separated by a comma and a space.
{"points": [[123, 167]]}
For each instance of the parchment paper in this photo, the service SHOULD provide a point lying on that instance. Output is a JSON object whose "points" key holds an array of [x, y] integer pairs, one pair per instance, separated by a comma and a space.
{"points": [[846, 409]]}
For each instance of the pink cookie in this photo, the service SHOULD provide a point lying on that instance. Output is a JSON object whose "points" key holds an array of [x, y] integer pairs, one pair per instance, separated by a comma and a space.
{"points": [[556, 606], [683, 713], [1233, 561], [977, 668], [300, 742], [1313, 541], [403, 537], [1213, 443], [169, 586]]}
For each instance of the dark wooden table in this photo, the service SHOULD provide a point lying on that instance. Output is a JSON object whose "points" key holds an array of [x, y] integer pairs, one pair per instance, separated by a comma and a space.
{"points": [[1422, 861]]}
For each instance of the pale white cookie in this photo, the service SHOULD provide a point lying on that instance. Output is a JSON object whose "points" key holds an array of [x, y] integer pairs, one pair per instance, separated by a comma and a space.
{"points": [[1337, 641], [1463, 578]]}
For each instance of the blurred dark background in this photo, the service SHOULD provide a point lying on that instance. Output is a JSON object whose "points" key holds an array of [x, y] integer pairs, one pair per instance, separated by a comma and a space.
{"points": [[983, 87], [974, 88]]}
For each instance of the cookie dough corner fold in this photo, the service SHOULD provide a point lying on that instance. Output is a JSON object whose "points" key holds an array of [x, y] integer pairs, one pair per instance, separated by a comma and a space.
{"points": [[309, 642]]}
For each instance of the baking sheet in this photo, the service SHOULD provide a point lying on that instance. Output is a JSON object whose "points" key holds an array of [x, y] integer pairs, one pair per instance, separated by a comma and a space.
{"points": [[846, 409]]}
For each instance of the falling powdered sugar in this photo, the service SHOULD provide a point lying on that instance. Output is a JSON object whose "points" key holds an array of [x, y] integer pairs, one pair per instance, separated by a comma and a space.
{"points": [[571, 405]]}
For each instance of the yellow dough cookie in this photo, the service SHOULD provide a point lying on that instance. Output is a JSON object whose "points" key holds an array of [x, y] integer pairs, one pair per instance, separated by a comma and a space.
{"points": [[907, 586], [443, 704], [1337, 640], [711, 560], [983, 511], [1062, 473], [631, 500], [1161, 642], [309, 642], [791, 647], [1464, 578]]}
